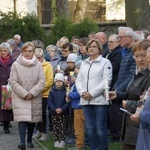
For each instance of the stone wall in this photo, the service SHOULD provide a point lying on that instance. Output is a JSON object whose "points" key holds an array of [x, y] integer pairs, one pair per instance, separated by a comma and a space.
{"points": [[107, 27]]}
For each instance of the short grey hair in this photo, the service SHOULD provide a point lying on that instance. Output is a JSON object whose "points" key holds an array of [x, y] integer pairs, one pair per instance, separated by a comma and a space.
{"points": [[114, 36], [128, 31], [18, 36], [7, 46], [12, 42], [51, 46], [39, 52]]}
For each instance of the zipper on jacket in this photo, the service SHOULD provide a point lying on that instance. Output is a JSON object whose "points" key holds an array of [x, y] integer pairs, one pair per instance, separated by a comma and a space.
{"points": [[88, 79]]}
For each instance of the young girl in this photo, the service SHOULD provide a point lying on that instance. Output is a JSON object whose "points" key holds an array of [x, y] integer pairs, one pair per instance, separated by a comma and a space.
{"points": [[58, 109]]}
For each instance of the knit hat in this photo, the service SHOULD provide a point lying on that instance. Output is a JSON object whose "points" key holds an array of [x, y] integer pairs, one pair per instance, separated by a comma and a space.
{"points": [[7, 46], [78, 64], [59, 77], [72, 58]]}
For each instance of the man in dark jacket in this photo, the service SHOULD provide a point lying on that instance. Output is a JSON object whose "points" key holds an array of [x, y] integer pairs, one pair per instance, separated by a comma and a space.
{"points": [[101, 36], [115, 115]]}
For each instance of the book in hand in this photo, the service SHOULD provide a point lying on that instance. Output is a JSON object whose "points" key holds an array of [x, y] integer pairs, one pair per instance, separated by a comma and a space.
{"points": [[126, 111]]}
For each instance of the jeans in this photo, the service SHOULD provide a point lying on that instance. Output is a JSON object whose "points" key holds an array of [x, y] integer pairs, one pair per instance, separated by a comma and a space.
{"points": [[22, 131], [96, 117]]}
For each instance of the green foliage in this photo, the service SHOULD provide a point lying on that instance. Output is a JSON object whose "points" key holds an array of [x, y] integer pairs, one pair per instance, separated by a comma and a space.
{"points": [[83, 28], [28, 27], [65, 27]]}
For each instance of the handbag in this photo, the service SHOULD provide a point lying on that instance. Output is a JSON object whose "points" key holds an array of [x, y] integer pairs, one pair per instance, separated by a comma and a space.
{"points": [[6, 100]]}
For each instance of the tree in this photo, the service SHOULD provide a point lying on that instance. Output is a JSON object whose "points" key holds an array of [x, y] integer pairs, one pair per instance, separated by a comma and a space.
{"points": [[80, 10], [62, 7], [138, 14]]}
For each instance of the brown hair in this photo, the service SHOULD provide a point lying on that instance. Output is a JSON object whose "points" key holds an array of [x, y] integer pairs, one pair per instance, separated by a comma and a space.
{"points": [[27, 44], [143, 44], [99, 45]]}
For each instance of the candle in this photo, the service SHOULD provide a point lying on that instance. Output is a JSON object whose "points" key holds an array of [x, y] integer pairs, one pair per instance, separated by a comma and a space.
{"points": [[71, 73], [58, 67]]}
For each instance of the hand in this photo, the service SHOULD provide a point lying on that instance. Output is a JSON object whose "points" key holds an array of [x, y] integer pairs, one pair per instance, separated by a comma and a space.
{"points": [[124, 103], [67, 99], [112, 95], [86, 95], [29, 96], [135, 117], [73, 80]]}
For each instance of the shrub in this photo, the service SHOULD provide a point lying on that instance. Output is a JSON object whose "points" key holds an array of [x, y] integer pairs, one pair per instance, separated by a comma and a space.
{"points": [[28, 27]]}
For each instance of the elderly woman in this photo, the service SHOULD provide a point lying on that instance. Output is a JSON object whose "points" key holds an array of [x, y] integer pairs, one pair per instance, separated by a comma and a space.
{"points": [[52, 51], [27, 81], [5, 66], [90, 83], [139, 83], [48, 72]]}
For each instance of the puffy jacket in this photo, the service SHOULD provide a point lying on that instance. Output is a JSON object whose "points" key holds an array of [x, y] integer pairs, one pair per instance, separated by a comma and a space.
{"points": [[24, 79], [127, 70], [91, 78], [75, 98], [57, 99], [48, 72]]}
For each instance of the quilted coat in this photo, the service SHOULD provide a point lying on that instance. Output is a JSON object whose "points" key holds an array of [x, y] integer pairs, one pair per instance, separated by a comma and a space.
{"points": [[23, 79]]}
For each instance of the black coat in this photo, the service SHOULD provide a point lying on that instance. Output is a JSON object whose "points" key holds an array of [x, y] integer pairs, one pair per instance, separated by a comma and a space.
{"points": [[115, 57]]}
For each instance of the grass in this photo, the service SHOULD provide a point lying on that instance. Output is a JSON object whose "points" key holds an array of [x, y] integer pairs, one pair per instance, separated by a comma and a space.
{"points": [[50, 144]]}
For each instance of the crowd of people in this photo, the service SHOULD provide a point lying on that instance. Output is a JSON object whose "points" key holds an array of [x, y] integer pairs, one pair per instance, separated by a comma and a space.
{"points": [[78, 88]]}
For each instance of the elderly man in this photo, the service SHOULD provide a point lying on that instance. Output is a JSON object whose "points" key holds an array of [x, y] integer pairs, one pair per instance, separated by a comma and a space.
{"points": [[127, 68], [17, 38], [115, 115], [101, 36]]}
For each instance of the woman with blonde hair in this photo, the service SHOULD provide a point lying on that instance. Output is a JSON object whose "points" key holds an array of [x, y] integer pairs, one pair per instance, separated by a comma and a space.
{"points": [[27, 82]]}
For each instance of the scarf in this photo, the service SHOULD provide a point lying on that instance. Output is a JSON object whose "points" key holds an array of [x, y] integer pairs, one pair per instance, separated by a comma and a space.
{"points": [[5, 59], [29, 62]]}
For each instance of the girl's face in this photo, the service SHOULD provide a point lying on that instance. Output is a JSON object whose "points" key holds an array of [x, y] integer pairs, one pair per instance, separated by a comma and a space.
{"points": [[70, 65], [59, 84], [140, 58], [82, 49], [4, 52]]}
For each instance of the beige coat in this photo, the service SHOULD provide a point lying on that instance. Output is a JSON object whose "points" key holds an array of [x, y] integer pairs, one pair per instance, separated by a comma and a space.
{"points": [[23, 79]]}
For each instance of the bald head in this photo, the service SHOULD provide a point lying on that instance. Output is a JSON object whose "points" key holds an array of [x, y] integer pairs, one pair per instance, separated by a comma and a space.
{"points": [[101, 36]]}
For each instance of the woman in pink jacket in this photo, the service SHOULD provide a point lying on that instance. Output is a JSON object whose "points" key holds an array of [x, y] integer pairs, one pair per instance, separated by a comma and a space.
{"points": [[27, 81]]}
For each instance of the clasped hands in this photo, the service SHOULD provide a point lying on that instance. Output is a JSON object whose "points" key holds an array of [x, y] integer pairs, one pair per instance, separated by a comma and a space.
{"points": [[86, 95], [58, 111], [29, 96]]}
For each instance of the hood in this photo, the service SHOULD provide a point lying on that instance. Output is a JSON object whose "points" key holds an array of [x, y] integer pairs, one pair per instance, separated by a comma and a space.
{"points": [[45, 63]]}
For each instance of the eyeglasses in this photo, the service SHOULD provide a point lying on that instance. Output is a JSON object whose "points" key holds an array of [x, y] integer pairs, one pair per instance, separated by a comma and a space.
{"points": [[48, 51], [140, 56], [27, 51], [3, 51], [64, 51], [110, 42], [93, 47], [121, 37]]}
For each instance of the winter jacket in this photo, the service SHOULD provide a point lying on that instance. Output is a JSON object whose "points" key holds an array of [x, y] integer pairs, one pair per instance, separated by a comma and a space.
{"points": [[82, 57], [54, 61], [144, 130], [91, 78], [75, 98], [127, 70], [48, 72], [5, 115], [138, 85], [115, 57], [24, 79], [57, 99]]}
